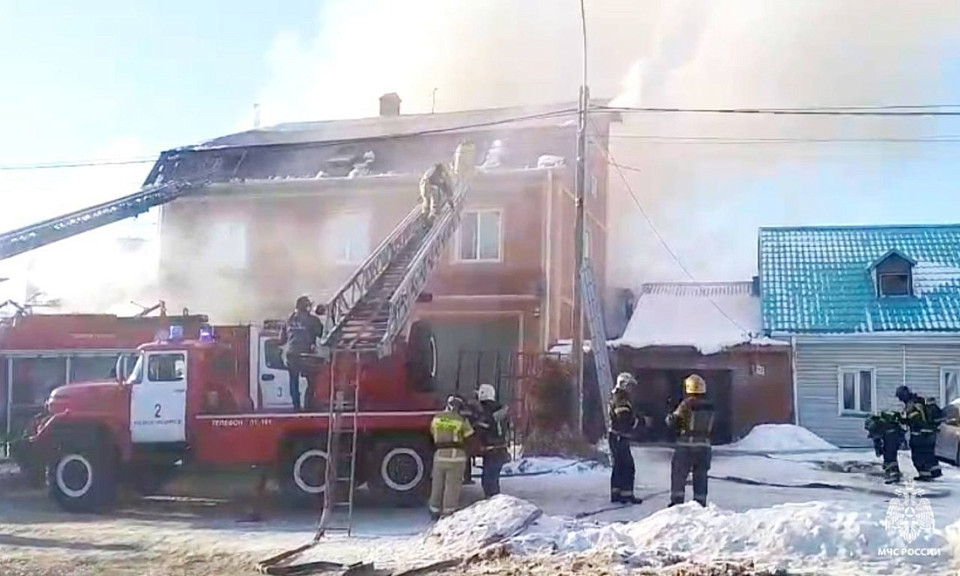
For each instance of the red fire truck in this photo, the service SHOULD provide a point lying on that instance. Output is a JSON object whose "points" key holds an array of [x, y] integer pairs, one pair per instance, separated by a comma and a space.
{"points": [[218, 402]]}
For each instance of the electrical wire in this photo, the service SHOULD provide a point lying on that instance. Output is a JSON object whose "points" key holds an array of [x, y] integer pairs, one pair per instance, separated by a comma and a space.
{"points": [[889, 111], [76, 164], [656, 232], [659, 138]]}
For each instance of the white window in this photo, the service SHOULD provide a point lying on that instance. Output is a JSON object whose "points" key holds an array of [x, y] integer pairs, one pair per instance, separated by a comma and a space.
{"points": [[949, 385], [857, 390], [227, 245], [587, 244], [480, 236], [594, 186], [347, 239]]}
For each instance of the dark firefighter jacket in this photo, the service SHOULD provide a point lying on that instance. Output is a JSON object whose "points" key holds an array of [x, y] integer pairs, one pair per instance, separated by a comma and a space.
{"points": [[693, 421], [917, 416], [623, 418], [491, 426], [883, 423]]}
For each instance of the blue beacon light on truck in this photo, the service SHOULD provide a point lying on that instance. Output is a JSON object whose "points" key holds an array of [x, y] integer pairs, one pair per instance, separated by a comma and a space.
{"points": [[176, 333], [206, 333]]}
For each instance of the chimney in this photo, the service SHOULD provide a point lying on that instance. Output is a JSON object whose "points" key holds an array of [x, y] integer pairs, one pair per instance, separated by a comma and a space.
{"points": [[390, 104]]}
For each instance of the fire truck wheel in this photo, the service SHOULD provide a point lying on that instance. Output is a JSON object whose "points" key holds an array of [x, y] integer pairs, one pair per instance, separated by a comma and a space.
{"points": [[422, 356], [303, 474], [83, 478], [401, 474]]}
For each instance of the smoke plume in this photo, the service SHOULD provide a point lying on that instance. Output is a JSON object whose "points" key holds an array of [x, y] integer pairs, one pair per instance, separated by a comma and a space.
{"points": [[705, 197]]}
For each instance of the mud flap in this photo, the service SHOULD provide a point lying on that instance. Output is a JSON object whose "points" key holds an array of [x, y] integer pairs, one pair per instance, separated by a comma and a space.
{"points": [[878, 489]]}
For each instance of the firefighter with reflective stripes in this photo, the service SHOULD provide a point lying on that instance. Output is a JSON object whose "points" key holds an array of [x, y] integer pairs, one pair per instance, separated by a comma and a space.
{"points": [[491, 425], [886, 431], [693, 423], [436, 186], [922, 418], [623, 427], [450, 432]]}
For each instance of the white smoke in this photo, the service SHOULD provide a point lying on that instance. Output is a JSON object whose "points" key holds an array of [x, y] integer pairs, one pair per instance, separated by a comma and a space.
{"points": [[707, 199]]}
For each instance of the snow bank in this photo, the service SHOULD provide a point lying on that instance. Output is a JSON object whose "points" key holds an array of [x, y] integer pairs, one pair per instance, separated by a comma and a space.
{"points": [[780, 438], [830, 536], [470, 528]]}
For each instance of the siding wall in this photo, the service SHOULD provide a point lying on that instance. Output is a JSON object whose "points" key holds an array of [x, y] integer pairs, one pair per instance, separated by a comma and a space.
{"points": [[916, 365]]}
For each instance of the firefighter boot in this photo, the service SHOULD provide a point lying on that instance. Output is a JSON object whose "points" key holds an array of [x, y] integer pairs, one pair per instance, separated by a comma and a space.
{"points": [[891, 473]]}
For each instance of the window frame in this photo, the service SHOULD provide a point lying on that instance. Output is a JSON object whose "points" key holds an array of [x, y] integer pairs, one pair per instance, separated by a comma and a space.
{"points": [[348, 221], [944, 370], [909, 284], [229, 229], [458, 244], [150, 355], [857, 370]]}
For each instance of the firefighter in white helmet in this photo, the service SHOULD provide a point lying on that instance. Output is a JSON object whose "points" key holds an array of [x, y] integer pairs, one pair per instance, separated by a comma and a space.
{"points": [[492, 426], [623, 428], [693, 423]]}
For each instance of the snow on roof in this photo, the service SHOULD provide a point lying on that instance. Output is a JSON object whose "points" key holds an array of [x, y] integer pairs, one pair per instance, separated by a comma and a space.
{"points": [[710, 317]]}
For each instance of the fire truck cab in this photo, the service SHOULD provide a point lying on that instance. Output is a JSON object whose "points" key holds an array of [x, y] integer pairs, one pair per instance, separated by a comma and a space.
{"points": [[221, 402]]}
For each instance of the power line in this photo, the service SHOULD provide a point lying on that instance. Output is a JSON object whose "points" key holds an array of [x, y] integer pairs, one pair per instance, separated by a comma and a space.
{"points": [[76, 164], [656, 232], [950, 139], [888, 111]]}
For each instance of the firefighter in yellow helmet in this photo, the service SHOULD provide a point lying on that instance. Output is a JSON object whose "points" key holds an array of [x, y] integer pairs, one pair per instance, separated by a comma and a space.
{"points": [[450, 432], [624, 422], [693, 423]]}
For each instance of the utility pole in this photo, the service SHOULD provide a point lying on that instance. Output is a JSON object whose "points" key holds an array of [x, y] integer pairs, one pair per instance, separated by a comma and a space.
{"points": [[256, 115], [578, 229]]}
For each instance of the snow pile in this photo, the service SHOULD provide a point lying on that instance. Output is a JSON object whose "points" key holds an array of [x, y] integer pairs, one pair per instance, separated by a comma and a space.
{"points": [[710, 317], [823, 535], [780, 438], [550, 161], [470, 528]]}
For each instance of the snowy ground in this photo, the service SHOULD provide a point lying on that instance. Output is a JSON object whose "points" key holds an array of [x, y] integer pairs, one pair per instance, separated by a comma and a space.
{"points": [[803, 530]]}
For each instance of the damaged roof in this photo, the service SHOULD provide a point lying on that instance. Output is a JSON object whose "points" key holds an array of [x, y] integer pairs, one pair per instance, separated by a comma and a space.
{"points": [[818, 280], [513, 137], [709, 316]]}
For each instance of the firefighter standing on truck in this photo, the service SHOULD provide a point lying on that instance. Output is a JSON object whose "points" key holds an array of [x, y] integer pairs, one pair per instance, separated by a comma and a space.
{"points": [[886, 431], [492, 432], [435, 186], [623, 427], [693, 423], [922, 418], [450, 432], [299, 336]]}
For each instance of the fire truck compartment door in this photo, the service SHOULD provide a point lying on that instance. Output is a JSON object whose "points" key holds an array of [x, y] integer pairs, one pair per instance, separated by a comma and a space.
{"points": [[274, 380], [158, 399]]}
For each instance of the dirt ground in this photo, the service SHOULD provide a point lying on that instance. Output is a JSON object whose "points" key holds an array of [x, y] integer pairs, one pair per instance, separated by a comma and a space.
{"points": [[187, 538]]}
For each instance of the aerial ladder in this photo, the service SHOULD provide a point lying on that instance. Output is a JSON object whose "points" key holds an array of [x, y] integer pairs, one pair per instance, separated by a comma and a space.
{"points": [[367, 315]]}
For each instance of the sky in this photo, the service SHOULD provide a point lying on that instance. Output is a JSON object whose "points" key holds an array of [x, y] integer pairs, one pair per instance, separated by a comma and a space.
{"points": [[112, 79]]}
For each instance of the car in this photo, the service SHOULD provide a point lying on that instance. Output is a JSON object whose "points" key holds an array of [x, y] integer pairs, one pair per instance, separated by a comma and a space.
{"points": [[948, 437]]}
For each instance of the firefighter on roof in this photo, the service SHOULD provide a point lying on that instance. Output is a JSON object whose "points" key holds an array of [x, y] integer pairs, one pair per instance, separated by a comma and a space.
{"points": [[492, 432], [450, 432], [299, 336], [623, 427], [922, 418], [886, 431], [435, 186], [693, 423]]}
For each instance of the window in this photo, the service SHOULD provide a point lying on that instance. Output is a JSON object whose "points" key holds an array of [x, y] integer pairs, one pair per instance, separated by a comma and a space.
{"points": [[949, 386], [347, 238], [894, 284], [227, 245], [856, 390], [594, 186], [92, 368], [273, 353], [35, 378], [587, 244], [166, 367], [479, 238]]}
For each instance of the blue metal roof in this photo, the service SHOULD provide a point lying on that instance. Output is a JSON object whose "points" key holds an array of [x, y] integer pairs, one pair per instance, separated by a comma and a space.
{"points": [[819, 279]]}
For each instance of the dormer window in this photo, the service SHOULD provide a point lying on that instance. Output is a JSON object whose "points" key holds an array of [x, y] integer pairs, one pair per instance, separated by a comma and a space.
{"points": [[893, 274]]}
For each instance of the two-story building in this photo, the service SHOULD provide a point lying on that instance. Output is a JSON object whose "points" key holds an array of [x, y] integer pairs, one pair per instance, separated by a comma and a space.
{"points": [[866, 309], [296, 208]]}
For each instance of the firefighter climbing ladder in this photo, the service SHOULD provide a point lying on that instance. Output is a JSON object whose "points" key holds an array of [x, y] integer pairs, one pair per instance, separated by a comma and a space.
{"points": [[598, 334], [367, 314]]}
